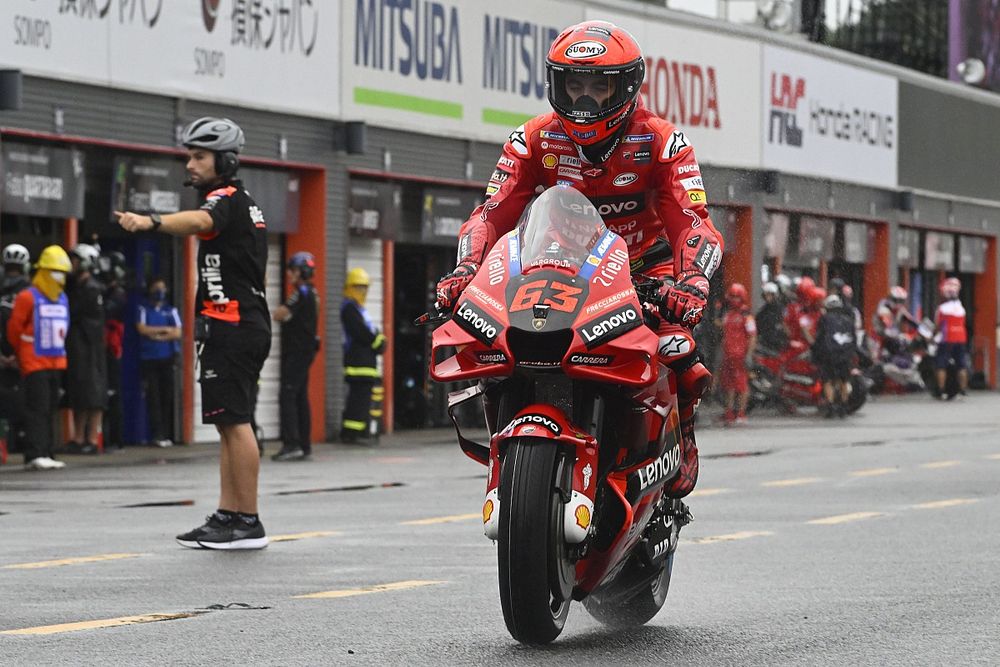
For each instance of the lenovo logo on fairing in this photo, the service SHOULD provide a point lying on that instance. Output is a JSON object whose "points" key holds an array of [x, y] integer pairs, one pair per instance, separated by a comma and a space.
{"points": [[598, 331], [661, 468], [483, 327], [541, 420]]}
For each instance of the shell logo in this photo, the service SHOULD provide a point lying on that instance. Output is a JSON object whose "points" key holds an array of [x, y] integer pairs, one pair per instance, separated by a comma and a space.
{"points": [[487, 511], [549, 161], [582, 515]]}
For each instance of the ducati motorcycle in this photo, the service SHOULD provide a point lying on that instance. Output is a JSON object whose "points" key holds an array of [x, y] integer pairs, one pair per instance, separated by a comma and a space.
{"points": [[788, 378], [583, 420]]}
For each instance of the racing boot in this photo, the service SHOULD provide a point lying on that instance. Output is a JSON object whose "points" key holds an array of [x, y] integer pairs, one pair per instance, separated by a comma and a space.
{"points": [[691, 385]]}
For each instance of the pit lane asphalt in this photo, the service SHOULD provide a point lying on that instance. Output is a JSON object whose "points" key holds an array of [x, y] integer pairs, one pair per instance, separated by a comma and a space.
{"points": [[867, 541]]}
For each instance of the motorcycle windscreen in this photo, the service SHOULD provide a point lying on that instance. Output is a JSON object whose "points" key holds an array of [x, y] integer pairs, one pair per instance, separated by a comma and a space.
{"points": [[559, 230]]}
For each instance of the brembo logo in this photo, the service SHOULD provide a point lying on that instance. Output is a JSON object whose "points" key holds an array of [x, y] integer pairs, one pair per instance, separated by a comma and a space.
{"points": [[483, 327], [541, 420], [580, 50], [209, 13], [598, 331], [662, 468]]}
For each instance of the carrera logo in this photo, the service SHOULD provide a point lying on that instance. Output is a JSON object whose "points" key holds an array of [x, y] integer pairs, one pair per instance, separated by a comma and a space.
{"points": [[661, 469], [570, 172], [540, 420], [591, 359], [491, 357], [610, 326], [584, 50], [611, 208], [482, 327], [622, 180]]}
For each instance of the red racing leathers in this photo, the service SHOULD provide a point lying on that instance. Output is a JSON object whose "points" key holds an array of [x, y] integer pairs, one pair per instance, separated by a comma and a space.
{"points": [[649, 191]]}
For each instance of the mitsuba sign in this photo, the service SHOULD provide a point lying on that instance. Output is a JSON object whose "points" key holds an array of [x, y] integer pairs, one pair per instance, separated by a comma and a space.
{"points": [[419, 38], [683, 93], [514, 55]]}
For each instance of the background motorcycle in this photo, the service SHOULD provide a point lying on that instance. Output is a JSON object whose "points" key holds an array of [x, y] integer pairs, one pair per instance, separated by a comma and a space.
{"points": [[788, 379], [583, 421]]}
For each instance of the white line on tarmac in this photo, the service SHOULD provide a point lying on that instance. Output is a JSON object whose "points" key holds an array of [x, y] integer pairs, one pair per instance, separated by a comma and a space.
{"points": [[732, 537], [940, 464], [792, 482], [845, 518], [951, 502], [69, 561], [378, 588], [442, 519]]}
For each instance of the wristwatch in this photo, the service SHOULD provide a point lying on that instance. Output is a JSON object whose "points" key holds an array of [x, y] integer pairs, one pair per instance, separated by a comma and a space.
{"points": [[157, 221]]}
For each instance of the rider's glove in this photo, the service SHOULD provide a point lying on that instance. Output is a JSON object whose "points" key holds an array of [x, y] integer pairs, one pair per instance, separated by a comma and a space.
{"points": [[684, 302], [450, 287]]}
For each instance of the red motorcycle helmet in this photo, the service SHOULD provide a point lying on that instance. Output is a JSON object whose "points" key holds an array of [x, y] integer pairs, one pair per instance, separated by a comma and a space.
{"points": [[804, 288], [736, 295], [950, 288], [815, 296], [588, 59]]}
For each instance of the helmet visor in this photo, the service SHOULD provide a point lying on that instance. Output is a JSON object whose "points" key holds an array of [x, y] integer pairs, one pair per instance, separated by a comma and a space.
{"points": [[588, 94]]}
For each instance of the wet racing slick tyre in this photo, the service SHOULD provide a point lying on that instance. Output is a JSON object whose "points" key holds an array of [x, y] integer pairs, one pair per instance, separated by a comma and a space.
{"points": [[536, 576], [619, 608]]}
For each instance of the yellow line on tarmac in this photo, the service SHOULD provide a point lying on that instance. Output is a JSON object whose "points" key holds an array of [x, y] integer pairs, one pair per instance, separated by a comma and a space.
{"points": [[378, 588], [732, 537], [940, 464], [701, 493], [995, 457], [291, 537], [873, 472], [69, 561], [442, 519], [845, 518], [953, 502], [93, 625], [792, 482]]}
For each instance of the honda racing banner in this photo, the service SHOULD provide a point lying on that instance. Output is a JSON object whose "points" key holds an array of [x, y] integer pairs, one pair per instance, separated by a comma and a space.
{"points": [[830, 120], [271, 54], [704, 83]]}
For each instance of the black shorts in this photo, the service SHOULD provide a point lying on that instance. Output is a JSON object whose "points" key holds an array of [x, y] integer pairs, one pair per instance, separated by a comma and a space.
{"points": [[835, 369], [230, 362]]}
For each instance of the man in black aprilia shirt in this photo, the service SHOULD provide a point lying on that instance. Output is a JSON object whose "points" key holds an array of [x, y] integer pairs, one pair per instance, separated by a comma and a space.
{"points": [[232, 256]]}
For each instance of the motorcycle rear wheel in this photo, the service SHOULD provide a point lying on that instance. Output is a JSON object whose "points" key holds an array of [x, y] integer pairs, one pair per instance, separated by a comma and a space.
{"points": [[536, 576], [859, 394], [619, 611]]}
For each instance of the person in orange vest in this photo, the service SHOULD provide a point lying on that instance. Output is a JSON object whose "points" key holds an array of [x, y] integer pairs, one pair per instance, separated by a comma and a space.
{"points": [[37, 332]]}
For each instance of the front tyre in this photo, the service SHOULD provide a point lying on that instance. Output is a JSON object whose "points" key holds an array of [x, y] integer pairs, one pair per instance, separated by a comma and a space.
{"points": [[535, 573]]}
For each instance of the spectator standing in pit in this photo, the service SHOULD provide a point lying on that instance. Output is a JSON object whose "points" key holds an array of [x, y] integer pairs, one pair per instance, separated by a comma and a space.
{"points": [[87, 363], [362, 344], [834, 352], [159, 325], [16, 263], [37, 332], [949, 320], [299, 344], [739, 338], [233, 324], [771, 334]]}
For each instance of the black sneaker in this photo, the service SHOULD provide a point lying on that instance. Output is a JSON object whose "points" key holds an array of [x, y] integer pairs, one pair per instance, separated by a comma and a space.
{"points": [[213, 523], [235, 534], [289, 455]]}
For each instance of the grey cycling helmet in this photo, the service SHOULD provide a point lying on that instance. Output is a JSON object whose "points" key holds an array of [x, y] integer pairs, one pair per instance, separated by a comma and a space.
{"points": [[215, 134]]}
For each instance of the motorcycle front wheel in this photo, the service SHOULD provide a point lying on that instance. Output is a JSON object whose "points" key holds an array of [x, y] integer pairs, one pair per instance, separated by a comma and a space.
{"points": [[536, 576]]}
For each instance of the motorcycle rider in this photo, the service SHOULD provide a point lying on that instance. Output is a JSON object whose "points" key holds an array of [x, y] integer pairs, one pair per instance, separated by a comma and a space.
{"points": [[949, 320], [641, 174], [892, 322]]}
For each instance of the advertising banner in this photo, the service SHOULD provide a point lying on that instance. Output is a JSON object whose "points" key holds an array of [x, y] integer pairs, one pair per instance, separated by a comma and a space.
{"points": [[42, 181], [816, 238], [271, 54], [908, 247], [826, 119], [704, 83], [939, 251], [971, 254], [445, 209], [374, 208], [449, 67], [856, 242], [150, 185]]}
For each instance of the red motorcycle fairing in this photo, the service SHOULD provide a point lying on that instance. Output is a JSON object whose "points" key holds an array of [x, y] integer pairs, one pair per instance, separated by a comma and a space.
{"points": [[592, 313]]}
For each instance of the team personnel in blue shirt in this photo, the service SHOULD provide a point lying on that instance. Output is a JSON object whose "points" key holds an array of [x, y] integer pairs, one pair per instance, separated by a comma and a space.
{"points": [[159, 325]]}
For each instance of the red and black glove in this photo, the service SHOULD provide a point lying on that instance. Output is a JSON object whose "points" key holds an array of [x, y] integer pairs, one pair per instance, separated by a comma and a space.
{"points": [[451, 286], [684, 302]]}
